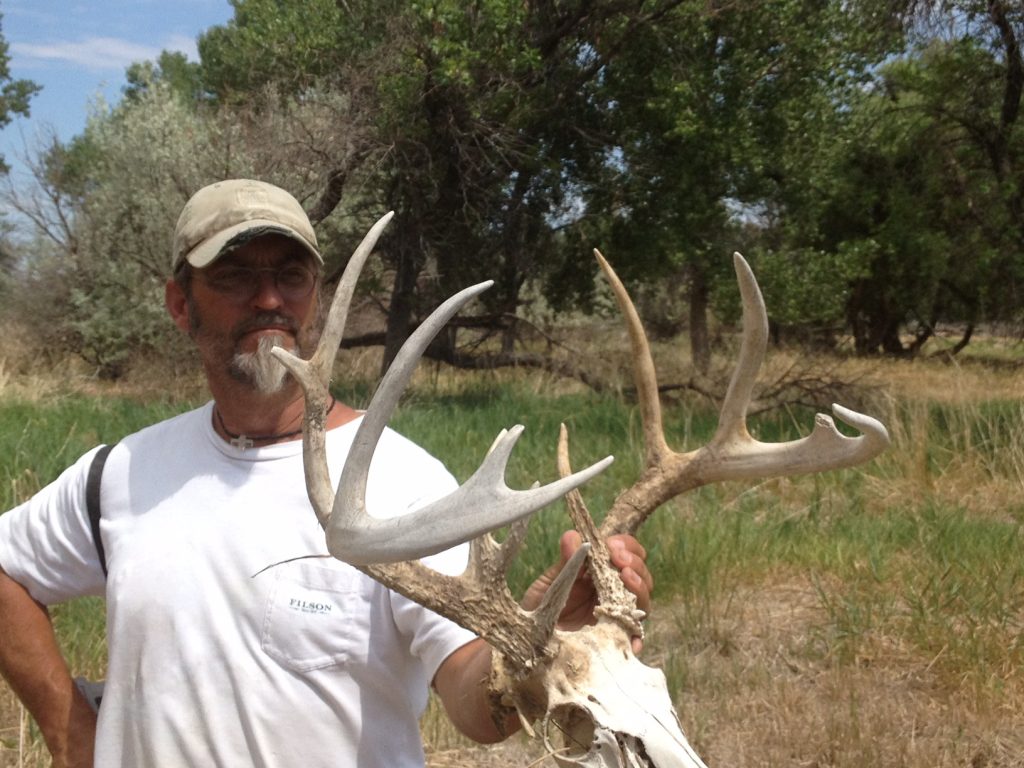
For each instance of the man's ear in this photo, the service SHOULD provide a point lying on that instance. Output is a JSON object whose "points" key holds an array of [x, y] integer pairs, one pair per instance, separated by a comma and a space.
{"points": [[177, 304]]}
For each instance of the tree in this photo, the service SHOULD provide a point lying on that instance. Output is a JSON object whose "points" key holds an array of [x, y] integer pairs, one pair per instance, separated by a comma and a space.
{"points": [[512, 137], [14, 94], [703, 107], [504, 125], [920, 190], [968, 79], [173, 69], [108, 229], [105, 203], [478, 119]]}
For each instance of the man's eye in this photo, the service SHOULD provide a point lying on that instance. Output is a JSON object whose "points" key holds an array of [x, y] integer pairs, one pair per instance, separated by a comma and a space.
{"points": [[294, 277], [231, 278]]}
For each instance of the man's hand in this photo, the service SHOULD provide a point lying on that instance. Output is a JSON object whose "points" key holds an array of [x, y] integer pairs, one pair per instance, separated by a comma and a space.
{"points": [[626, 554], [462, 679], [81, 734]]}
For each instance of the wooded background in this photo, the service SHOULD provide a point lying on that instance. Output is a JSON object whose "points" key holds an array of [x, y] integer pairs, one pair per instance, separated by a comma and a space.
{"points": [[866, 156]]}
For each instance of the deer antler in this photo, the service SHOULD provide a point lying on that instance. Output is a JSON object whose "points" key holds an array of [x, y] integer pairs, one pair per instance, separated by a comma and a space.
{"points": [[484, 503], [387, 548], [644, 731], [732, 453], [614, 710]]}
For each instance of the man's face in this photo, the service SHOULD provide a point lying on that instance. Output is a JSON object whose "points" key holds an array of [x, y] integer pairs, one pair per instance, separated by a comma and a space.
{"points": [[262, 295]]}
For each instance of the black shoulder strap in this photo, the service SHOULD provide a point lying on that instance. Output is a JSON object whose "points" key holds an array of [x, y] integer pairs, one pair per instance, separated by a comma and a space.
{"points": [[92, 501]]}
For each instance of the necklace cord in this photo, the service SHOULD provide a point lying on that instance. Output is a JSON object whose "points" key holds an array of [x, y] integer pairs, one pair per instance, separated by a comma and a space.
{"points": [[243, 440]]}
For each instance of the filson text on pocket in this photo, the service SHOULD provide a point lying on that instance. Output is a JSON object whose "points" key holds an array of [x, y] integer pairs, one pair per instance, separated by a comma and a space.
{"points": [[308, 607]]}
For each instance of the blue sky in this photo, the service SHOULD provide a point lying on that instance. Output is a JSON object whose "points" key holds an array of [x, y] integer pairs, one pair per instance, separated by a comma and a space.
{"points": [[76, 50]]}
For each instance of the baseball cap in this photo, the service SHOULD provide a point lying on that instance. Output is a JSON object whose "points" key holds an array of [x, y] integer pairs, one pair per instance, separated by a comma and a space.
{"points": [[225, 215]]}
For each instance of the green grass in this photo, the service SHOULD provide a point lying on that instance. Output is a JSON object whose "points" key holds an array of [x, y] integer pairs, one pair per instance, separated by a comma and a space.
{"points": [[38, 441], [919, 568], [921, 550]]}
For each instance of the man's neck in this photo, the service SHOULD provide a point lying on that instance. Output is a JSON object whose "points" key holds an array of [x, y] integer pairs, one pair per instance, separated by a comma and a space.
{"points": [[241, 411], [247, 418]]}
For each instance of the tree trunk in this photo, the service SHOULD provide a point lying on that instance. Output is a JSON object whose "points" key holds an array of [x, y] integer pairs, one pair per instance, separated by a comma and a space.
{"points": [[700, 342], [403, 301]]}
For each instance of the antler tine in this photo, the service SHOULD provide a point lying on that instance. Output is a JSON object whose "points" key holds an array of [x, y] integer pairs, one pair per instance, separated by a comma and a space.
{"points": [[334, 327], [578, 512], [644, 374], [488, 559], [732, 453], [633, 505], [613, 598], [554, 600], [479, 599], [314, 375], [483, 503], [733, 417]]}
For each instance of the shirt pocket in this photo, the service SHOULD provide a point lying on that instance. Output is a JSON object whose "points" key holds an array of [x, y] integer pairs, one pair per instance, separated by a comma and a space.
{"points": [[316, 617]]}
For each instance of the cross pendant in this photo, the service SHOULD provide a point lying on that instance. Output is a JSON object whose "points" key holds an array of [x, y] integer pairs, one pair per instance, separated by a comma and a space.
{"points": [[242, 442]]}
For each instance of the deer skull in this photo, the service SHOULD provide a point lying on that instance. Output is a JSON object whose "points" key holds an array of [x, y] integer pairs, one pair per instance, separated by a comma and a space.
{"points": [[602, 707]]}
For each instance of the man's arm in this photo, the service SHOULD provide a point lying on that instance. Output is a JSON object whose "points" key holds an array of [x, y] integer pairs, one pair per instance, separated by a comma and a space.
{"points": [[31, 662], [461, 681]]}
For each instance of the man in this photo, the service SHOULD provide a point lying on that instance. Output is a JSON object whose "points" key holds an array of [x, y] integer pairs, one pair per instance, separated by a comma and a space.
{"points": [[215, 659]]}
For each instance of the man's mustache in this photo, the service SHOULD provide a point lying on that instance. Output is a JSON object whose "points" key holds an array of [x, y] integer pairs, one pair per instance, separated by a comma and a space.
{"points": [[265, 320]]}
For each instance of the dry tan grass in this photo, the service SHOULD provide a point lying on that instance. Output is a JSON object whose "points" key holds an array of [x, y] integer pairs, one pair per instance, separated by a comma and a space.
{"points": [[756, 697], [17, 747], [935, 381], [771, 703]]}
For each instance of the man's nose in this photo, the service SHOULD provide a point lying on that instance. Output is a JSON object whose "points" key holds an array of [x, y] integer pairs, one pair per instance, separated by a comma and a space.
{"points": [[268, 295]]}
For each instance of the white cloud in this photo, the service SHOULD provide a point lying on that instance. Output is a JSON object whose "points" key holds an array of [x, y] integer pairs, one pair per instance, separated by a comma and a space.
{"points": [[183, 43], [97, 54]]}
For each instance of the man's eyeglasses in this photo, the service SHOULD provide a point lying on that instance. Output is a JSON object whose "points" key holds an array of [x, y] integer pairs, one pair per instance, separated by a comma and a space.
{"points": [[293, 281]]}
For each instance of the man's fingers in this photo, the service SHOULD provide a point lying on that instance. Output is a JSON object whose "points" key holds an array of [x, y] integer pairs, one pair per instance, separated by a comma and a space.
{"points": [[628, 555], [568, 544], [626, 551], [636, 584]]}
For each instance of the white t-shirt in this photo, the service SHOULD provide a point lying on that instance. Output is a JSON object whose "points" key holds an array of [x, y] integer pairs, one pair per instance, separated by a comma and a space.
{"points": [[212, 660]]}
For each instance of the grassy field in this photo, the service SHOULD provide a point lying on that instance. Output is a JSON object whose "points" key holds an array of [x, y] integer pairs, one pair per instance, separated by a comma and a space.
{"points": [[866, 617]]}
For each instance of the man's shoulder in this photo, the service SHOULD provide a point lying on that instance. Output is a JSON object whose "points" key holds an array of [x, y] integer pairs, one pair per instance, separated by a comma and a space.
{"points": [[399, 465], [174, 431], [395, 448]]}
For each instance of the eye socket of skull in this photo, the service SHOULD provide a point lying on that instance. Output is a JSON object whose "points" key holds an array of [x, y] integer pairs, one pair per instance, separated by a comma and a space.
{"points": [[572, 729]]}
